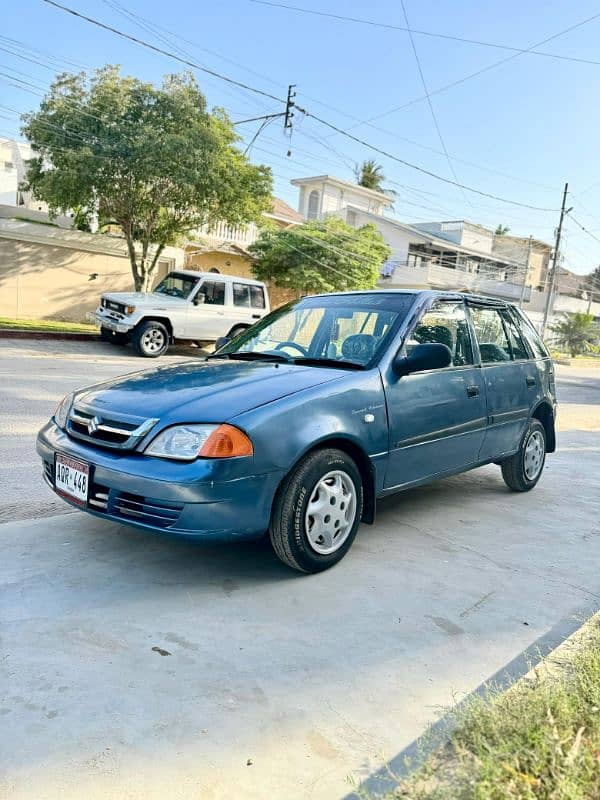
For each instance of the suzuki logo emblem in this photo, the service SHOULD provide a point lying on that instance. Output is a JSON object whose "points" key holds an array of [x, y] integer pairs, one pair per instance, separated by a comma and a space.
{"points": [[93, 424]]}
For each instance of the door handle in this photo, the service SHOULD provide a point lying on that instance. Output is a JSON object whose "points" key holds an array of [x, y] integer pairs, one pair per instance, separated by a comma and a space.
{"points": [[530, 380], [255, 316], [472, 391]]}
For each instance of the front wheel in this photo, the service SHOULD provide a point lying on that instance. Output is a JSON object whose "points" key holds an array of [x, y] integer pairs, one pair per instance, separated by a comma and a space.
{"points": [[151, 339], [317, 511], [522, 471]]}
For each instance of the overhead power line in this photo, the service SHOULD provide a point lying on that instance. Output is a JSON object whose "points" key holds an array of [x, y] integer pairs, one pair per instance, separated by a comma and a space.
{"points": [[447, 36], [583, 228], [160, 50], [303, 111], [429, 103]]}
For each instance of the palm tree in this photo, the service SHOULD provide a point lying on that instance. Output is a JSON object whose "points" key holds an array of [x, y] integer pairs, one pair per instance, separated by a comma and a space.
{"points": [[576, 332], [370, 175], [501, 230]]}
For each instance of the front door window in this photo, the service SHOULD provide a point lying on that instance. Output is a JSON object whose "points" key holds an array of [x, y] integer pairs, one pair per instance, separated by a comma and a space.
{"points": [[445, 323]]}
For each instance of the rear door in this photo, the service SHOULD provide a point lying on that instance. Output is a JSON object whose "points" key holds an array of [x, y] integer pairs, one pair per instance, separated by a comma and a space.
{"points": [[505, 368], [437, 418], [248, 303]]}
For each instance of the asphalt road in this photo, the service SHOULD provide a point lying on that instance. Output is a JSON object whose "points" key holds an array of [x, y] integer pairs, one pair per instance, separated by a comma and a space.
{"points": [[275, 685]]}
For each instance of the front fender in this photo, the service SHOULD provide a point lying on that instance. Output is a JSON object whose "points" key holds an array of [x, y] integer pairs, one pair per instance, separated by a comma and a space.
{"points": [[351, 409]]}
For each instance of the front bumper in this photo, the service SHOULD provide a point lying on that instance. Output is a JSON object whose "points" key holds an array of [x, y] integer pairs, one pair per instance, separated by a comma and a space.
{"points": [[199, 499], [105, 320]]}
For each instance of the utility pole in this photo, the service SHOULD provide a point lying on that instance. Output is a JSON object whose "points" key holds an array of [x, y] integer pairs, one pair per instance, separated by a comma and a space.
{"points": [[550, 283], [592, 289], [526, 275], [289, 104]]}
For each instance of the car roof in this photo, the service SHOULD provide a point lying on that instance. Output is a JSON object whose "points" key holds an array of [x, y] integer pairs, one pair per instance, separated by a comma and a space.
{"points": [[425, 293], [194, 273]]}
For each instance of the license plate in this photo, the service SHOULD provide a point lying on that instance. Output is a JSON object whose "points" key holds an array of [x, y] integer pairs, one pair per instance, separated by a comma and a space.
{"points": [[72, 478]]}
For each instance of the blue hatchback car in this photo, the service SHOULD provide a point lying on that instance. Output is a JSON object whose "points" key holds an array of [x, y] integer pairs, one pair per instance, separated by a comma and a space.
{"points": [[302, 422]]}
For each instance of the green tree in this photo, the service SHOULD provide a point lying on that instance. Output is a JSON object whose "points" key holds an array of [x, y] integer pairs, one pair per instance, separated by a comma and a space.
{"points": [[576, 332], [501, 230], [370, 175], [152, 160], [320, 256]]}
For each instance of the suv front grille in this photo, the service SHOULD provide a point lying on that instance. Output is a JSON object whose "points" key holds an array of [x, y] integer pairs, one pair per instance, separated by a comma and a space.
{"points": [[112, 305], [107, 432]]}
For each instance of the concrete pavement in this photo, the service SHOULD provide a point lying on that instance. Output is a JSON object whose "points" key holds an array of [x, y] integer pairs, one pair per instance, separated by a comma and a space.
{"points": [[276, 685]]}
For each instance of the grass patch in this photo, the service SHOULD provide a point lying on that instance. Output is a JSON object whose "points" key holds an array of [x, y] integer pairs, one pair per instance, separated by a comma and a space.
{"points": [[540, 740], [7, 323]]}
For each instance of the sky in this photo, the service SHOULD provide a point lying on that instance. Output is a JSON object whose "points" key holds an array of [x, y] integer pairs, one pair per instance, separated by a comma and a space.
{"points": [[519, 130]]}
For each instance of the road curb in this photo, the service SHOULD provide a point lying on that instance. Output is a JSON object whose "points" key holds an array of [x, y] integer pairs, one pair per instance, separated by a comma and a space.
{"points": [[18, 333], [385, 779]]}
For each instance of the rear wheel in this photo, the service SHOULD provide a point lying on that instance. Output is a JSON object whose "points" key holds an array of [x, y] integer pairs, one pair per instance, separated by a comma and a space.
{"points": [[522, 471], [151, 339], [236, 331], [317, 511]]}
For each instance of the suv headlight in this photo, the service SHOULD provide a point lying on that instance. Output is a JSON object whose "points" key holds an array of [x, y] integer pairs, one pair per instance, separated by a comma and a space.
{"points": [[187, 442], [61, 412]]}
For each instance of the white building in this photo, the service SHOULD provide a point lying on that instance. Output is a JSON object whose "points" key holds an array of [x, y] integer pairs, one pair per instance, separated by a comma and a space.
{"points": [[13, 169]]}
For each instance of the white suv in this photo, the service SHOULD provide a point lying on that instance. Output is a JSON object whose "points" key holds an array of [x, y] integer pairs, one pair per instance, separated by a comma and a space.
{"points": [[186, 305]]}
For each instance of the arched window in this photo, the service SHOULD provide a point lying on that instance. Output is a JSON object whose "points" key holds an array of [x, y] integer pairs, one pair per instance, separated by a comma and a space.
{"points": [[214, 269], [313, 205]]}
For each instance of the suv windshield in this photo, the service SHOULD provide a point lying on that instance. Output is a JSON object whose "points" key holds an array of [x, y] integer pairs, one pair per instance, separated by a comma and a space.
{"points": [[177, 285], [350, 329]]}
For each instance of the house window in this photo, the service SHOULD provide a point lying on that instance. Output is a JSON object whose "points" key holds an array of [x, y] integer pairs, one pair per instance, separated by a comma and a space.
{"points": [[8, 165], [313, 205]]}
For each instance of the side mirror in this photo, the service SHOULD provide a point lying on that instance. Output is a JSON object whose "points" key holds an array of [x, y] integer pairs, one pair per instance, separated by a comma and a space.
{"points": [[423, 357], [199, 299], [221, 342]]}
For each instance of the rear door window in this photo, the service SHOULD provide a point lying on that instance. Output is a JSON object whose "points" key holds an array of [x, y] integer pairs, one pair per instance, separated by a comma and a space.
{"points": [[491, 335], [533, 338], [241, 295], [517, 343]]}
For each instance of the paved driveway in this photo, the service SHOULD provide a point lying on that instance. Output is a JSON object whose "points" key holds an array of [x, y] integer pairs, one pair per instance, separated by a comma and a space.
{"points": [[272, 684]]}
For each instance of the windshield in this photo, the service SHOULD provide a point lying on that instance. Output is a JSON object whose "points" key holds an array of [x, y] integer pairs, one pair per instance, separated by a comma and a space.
{"points": [[345, 329], [177, 285]]}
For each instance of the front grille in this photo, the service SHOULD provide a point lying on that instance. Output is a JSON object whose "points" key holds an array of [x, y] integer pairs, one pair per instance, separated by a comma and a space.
{"points": [[107, 432], [98, 497], [112, 305], [145, 509]]}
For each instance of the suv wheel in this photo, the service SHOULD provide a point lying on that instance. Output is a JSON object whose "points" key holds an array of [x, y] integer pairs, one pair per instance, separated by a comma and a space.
{"points": [[317, 511], [236, 331], [151, 339], [522, 471]]}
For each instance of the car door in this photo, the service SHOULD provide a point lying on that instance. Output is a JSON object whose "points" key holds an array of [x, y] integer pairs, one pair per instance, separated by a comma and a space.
{"points": [[436, 418], [206, 318], [506, 372], [248, 305]]}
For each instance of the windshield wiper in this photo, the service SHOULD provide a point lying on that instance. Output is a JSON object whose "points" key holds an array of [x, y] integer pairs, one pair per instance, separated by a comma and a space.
{"points": [[327, 362], [253, 355]]}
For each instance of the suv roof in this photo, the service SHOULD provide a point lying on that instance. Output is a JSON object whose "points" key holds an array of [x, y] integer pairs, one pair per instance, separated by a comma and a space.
{"points": [[197, 273]]}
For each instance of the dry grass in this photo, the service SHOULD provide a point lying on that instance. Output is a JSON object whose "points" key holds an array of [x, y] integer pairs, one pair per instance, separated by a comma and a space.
{"points": [[46, 325], [538, 741]]}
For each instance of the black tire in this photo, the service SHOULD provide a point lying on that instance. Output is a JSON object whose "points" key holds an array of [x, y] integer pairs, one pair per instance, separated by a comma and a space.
{"points": [[517, 470], [288, 528], [237, 330], [112, 337], [150, 339]]}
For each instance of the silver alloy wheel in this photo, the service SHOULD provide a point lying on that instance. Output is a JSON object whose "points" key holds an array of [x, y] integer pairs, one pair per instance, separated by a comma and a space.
{"points": [[153, 340], [534, 455], [331, 512]]}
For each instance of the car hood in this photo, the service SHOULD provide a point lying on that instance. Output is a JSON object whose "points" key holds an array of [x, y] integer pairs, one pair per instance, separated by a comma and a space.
{"points": [[206, 391], [156, 301]]}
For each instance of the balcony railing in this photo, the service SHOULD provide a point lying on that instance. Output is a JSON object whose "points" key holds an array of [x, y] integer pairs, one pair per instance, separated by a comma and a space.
{"points": [[242, 235], [436, 277]]}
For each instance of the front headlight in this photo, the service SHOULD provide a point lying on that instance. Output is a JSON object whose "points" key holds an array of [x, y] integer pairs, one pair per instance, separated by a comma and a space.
{"points": [[187, 442], [61, 412]]}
